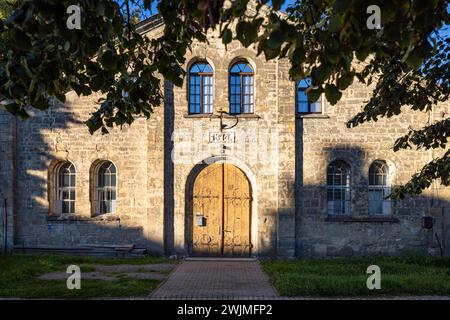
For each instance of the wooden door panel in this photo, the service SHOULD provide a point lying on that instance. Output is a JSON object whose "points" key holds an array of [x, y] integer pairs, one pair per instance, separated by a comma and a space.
{"points": [[222, 196], [237, 202], [207, 239]]}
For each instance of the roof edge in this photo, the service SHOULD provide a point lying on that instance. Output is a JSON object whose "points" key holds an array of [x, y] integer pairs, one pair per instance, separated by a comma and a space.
{"points": [[149, 23]]}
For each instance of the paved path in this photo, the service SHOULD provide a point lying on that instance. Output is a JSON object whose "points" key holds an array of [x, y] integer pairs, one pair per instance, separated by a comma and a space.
{"points": [[217, 279]]}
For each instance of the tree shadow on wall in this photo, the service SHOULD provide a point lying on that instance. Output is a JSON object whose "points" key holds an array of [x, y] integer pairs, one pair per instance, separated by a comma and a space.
{"points": [[319, 233], [41, 142]]}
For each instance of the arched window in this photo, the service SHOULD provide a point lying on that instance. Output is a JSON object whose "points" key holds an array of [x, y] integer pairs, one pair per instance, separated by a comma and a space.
{"points": [[106, 188], [200, 88], [379, 188], [338, 187], [65, 184], [241, 88], [303, 104]]}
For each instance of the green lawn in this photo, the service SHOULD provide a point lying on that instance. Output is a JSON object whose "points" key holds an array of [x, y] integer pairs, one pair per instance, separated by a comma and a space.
{"points": [[18, 277], [411, 275]]}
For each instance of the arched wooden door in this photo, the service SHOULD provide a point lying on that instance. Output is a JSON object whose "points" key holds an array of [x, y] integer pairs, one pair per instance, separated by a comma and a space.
{"points": [[221, 212]]}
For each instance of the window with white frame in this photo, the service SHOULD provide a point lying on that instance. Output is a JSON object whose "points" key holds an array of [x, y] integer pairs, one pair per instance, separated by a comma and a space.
{"points": [[241, 88], [66, 184], [338, 188], [305, 106], [200, 88], [379, 188], [106, 188]]}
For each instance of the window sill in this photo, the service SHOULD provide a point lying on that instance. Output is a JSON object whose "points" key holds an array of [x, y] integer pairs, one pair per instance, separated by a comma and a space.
{"points": [[311, 116], [200, 115], [74, 217], [345, 218], [225, 116], [242, 116]]}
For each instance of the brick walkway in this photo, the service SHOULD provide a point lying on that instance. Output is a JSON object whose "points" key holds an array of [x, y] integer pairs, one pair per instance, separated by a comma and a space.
{"points": [[217, 279]]}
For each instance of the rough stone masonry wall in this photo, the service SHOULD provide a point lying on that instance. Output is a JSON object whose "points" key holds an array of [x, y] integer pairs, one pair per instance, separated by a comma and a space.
{"points": [[255, 148], [7, 173], [59, 134], [325, 138], [286, 164]]}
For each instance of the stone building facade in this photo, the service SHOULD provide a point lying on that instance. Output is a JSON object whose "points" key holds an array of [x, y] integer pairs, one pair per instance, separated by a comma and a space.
{"points": [[285, 156]]}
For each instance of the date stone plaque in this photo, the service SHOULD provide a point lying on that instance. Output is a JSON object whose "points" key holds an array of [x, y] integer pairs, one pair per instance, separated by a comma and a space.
{"points": [[221, 137]]}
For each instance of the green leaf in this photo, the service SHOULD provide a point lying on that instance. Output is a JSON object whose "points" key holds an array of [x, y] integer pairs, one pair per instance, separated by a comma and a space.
{"points": [[17, 17], [274, 42], [99, 8], [97, 83], [414, 59], [336, 23], [388, 12], [92, 45], [345, 81], [322, 73], [227, 36], [314, 93], [66, 46], [277, 4], [341, 6], [246, 33], [362, 54], [271, 53], [332, 93], [419, 6], [107, 59], [20, 40]]}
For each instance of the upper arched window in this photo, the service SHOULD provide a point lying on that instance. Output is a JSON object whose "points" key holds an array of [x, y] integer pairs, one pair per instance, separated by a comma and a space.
{"points": [[106, 188], [303, 104], [379, 188], [338, 187], [241, 88], [200, 88], [65, 184]]}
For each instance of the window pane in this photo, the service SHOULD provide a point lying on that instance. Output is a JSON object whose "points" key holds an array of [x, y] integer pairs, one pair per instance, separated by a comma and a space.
{"points": [[372, 179], [338, 194], [235, 68], [304, 83], [302, 107], [65, 195], [376, 207], [200, 85], [107, 180], [316, 106], [66, 180], [65, 207], [346, 207], [330, 207]]}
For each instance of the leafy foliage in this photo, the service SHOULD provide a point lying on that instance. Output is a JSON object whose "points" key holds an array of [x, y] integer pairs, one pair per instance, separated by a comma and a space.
{"points": [[6, 7], [328, 41]]}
